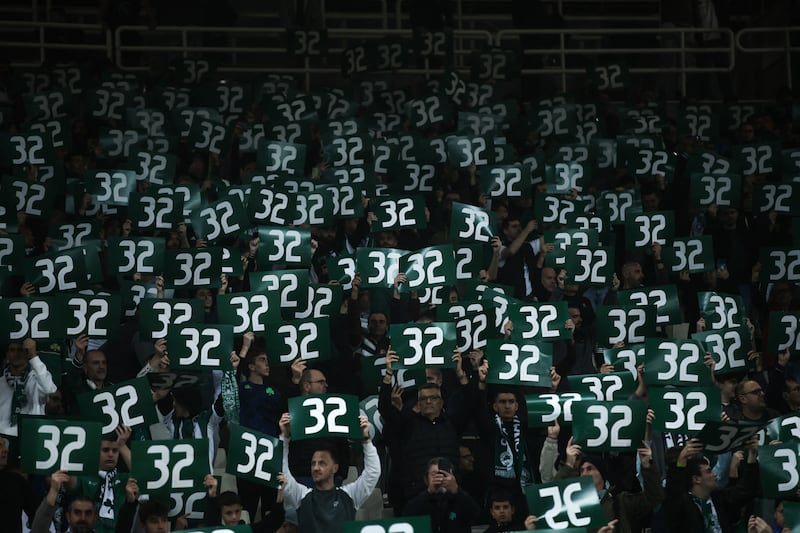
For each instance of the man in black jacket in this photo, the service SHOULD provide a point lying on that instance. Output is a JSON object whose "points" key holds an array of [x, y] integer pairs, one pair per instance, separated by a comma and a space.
{"points": [[695, 503], [451, 509]]}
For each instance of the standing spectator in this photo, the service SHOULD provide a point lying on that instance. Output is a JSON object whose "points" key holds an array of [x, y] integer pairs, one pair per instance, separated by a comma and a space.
{"points": [[323, 508], [25, 386], [15, 493]]}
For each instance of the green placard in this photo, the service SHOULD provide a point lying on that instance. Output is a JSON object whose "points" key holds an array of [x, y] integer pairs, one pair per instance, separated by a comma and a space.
{"points": [[289, 284], [590, 266], [729, 348], [758, 159], [471, 223], [675, 362], [342, 269], [617, 205], [373, 370], [315, 208], [642, 230], [97, 316], [783, 428], [324, 301], [568, 503], [720, 437], [167, 467], [783, 332], [12, 251], [26, 148], [410, 177], [544, 409], [779, 264], [156, 315], [609, 426], [159, 211], [780, 469], [369, 407], [683, 409], [505, 181], [608, 78], [36, 317], [429, 344], [52, 445], [427, 267], [564, 176], [378, 267], [284, 246], [624, 323], [540, 321], [724, 190], [779, 197], [698, 121], [200, 346], [398, 212], [272, 207], [695, 254], [130, 255], [57, 272], [324, 415], [110, 187], [705, 162], [219, 220], [721, 311], [567, 239], [470, 260], [603, 387], [522, 364], [128, 403], [405, 524], [248, 311], [254, 456], [551, 120], [663, 298], [308, 339], [66, 236], [193, 267], [626, 358]]}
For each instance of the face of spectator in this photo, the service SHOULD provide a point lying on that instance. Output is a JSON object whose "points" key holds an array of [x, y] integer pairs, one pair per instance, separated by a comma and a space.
{"points": [[548, 278], [466, 459], [434, 479], [156, 524], [780, 520], [588, 469], [650, 202], [747, 133], [377, 325], [506, 405], [728, 218], [632, 275], [513, 229], [109, 454], [95, 366], [433, 375], [323, 468], [707, 480], [231, 514], [206, 296], [81, 517], [752, 398], [502, 512], [317, 384], [15, 356], [260, 365], [429, 403], [386, 239], [792, 394], [575, 315]]}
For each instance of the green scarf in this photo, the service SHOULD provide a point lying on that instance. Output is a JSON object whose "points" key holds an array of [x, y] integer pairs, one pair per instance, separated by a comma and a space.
{"points": [[229, 390], [710, 519], [19, 398], [511, 452]]}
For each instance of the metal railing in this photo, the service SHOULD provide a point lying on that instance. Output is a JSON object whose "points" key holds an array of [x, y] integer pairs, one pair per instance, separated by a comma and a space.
{"points": [[783, 41], [684, 49], [266, 47]]}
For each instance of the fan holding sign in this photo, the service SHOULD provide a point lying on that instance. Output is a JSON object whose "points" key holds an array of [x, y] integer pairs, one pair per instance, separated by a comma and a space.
{"points": [[326, 507]]}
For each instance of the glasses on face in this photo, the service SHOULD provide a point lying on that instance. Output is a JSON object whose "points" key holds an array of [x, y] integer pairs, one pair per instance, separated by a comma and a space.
{"points": [[754, 391], [325, 381], [429, 398], [796, 388]]}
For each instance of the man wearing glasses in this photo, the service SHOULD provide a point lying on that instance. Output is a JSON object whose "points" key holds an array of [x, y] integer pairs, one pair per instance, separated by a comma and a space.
{"points": [[417, 435], [753, 402]]}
